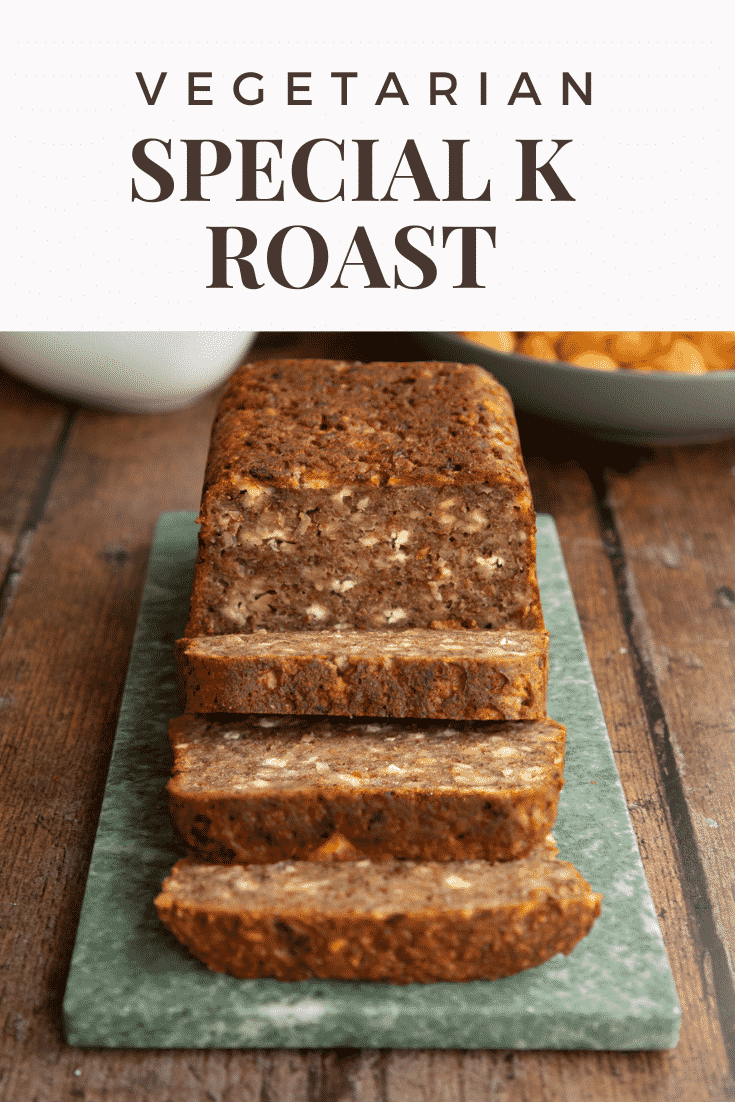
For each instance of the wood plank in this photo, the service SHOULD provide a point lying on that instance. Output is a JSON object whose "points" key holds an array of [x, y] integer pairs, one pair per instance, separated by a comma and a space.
{"points": [[31, 426], [699, 1066], [64, 653], [675, 521]]}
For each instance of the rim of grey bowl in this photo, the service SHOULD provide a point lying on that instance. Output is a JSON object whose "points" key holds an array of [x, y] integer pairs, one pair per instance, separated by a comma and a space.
{"points": [[630, 407]]}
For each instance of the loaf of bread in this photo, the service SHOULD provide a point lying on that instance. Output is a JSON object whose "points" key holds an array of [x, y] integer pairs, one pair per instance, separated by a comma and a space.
{"points": [[367, 548], [397, 921], [261, 789], [420, 673], [364, 496]]}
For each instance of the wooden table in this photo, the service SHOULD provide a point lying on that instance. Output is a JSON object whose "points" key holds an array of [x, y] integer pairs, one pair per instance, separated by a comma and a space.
{"points": [[649, 543]]}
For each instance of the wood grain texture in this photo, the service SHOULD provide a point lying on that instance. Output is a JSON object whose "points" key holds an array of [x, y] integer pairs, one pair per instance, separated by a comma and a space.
{"points": [[701, 1057], [679, 550], [63, 654], [32, 431]]}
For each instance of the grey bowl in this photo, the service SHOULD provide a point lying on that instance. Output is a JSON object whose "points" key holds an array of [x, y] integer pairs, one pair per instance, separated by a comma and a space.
{"points": [[630, 407]]}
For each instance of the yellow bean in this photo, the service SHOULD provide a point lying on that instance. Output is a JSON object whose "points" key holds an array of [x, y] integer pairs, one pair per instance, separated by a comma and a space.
{"points": [[573, 344], [538, 345], [501, 342], [718, 350], [599, 360], [683, 356], [629, 348], [724, 343]]}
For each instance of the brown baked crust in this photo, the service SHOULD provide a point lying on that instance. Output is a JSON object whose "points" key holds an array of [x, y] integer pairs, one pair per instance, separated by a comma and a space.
{"points": [[425, 674], [263, 789], [398, 922], [366, 496]]}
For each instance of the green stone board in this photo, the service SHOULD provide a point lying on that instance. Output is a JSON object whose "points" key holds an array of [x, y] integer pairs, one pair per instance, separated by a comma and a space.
{"points": [[132, 985]]}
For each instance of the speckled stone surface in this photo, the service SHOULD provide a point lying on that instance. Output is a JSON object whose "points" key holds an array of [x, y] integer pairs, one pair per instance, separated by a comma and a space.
{"points": [[131, 984]]}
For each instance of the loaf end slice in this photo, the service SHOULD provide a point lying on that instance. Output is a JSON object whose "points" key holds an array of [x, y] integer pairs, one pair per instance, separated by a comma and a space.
{"points": [[367, 496], [396, 922], [261, 789], [419, 673]]}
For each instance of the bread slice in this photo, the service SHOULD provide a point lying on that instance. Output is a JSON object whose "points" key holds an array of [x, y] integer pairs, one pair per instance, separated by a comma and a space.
{"points": [[268, 788], [398, 921], [421, 673], [365, 496]]}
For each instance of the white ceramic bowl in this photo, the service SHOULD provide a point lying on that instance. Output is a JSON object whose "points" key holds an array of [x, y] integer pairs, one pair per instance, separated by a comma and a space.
{"points": [[137, 372], [631, 407]]}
